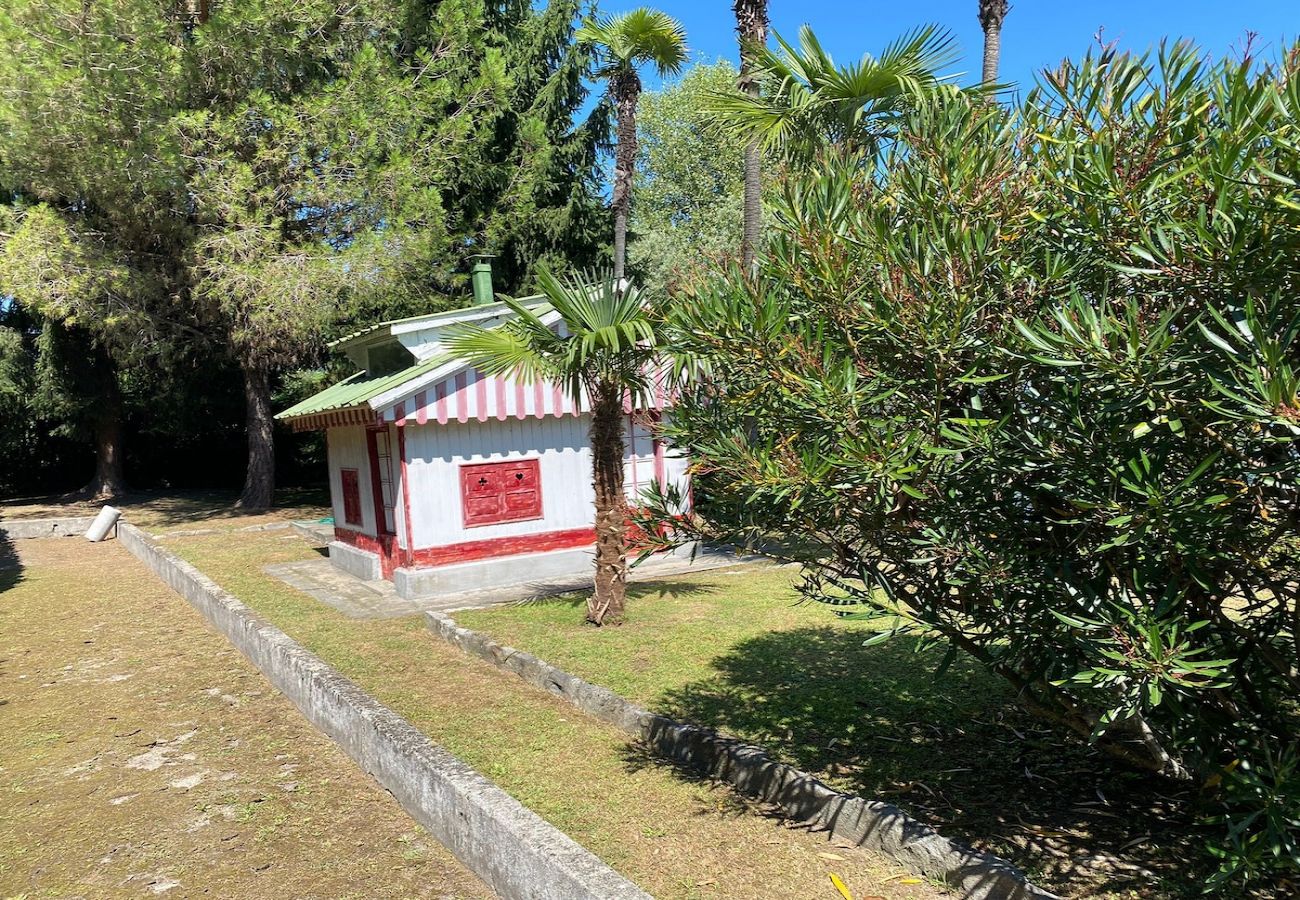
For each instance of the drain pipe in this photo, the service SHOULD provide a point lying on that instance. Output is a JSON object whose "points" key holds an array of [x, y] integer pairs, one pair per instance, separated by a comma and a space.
{"points": [[103, 524]]}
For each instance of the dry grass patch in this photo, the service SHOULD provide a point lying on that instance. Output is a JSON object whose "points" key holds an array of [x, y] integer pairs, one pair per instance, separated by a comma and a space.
{"points": [[141, 755]]}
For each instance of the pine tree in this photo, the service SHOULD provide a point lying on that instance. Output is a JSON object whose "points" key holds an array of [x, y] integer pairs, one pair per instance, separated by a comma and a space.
{"points": [[261, 175]]}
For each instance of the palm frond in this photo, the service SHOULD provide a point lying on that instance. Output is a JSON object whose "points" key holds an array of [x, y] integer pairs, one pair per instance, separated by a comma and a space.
{"points": [[813, 103], [628, 40], [608, 336], [506, 350]]}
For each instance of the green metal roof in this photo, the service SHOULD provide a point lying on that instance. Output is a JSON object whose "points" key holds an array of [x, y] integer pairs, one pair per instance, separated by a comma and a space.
{"points": [[360, 389]]}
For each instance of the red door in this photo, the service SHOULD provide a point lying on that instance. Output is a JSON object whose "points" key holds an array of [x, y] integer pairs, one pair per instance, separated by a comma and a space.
{"points": [[383, 487]]}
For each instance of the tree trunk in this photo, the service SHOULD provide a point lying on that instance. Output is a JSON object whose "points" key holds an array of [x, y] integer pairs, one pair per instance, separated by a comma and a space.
{"points": [[991, 15], [753, 207], [109, 480], [626, 88], [751, 29], [992, 51], [606, 604], [259, 482]]}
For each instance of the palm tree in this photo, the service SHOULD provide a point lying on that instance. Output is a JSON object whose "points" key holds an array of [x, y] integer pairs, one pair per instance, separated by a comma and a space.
{"points": [[624, 43], [751, 29], [992, 12], [816, 105], [604, 351]]}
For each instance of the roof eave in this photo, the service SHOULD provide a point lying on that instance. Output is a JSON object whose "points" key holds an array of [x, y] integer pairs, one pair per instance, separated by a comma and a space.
{"points": [[394, 327]]}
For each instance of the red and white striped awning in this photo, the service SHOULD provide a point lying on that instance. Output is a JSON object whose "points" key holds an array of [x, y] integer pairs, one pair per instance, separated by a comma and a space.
{"points": [[336, 418], [471, 395]]}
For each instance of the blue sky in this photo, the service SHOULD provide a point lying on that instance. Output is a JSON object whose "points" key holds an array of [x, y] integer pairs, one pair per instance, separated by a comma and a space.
{"points": [[1037, 33]]}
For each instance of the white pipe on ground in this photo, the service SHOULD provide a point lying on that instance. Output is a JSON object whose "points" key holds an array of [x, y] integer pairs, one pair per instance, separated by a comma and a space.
{"points": [[103, 524]]}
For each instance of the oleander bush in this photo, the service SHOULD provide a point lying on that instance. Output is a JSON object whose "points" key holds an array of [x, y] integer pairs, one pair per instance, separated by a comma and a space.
{"points": [[1026, 385]]}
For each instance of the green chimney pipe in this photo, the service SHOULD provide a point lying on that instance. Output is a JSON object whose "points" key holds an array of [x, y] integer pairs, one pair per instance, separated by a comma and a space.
{"points": [[481, 278]]}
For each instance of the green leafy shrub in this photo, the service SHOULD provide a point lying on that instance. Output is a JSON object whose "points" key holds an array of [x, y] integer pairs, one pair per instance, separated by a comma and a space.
{"points": [[1031, 390]]}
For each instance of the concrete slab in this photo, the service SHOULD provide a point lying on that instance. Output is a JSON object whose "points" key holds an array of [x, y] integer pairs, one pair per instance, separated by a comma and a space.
{"points": [[350, 595], [360, 599]]}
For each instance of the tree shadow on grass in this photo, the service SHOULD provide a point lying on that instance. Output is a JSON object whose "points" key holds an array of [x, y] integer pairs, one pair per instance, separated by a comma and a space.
{"points": [[575, 594], [164, 508], [11, 567], [662, 588], [956, 752]]}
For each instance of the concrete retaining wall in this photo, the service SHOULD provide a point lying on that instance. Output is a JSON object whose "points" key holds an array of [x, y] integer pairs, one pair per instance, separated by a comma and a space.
{"points": [[19, 529], [504, 843], [866, 823]]}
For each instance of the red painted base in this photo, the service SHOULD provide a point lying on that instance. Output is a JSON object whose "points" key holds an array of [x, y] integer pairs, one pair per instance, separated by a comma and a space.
{"points": [[470, 551], [385, 547], [358, 539]]}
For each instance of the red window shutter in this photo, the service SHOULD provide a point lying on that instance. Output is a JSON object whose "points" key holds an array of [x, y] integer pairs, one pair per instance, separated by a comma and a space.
{"points": [[501, 492], [351, 497]]}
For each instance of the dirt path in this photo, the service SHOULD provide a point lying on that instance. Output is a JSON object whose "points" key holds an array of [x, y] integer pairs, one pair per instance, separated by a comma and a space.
{"points": [[141, 755]]}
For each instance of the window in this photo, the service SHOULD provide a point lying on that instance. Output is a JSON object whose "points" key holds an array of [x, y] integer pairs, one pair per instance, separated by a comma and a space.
{"points": [[501, 492], [351, 497]]}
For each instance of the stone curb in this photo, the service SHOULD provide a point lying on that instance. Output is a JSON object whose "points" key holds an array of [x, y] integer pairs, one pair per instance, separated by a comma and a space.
{"points": [[20, 529], [511, 848], [865, 823]]}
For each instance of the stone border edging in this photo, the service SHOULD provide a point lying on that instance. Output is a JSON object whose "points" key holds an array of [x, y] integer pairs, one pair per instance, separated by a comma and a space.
{"points": [[516, 852], [21, 529], [865, 823]]}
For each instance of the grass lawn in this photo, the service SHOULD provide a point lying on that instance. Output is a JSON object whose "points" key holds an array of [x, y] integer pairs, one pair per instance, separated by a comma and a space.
{"points": [[676, 836], [141, 755], [733, 649]]}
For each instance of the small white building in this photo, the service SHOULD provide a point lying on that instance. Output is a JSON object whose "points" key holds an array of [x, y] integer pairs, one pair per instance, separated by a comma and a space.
{"points": [[443, 479]]}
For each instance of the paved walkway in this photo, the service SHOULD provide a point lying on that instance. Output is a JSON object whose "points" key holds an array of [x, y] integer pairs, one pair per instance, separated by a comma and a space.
{"points": [[378, 600]]}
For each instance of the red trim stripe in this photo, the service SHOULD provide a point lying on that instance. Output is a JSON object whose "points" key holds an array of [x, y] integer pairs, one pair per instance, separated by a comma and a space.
{"points": [[480, 395], [441, 403], [469, 551], [500, 385], [408, 555], [462, 397]]}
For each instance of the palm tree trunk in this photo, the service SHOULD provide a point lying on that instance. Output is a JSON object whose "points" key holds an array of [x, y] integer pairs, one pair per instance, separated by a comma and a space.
{"points": [[753, 220], [626, 89], [606, 604], [991, 15], [259, 481], [992, 52], [751, 28]]}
